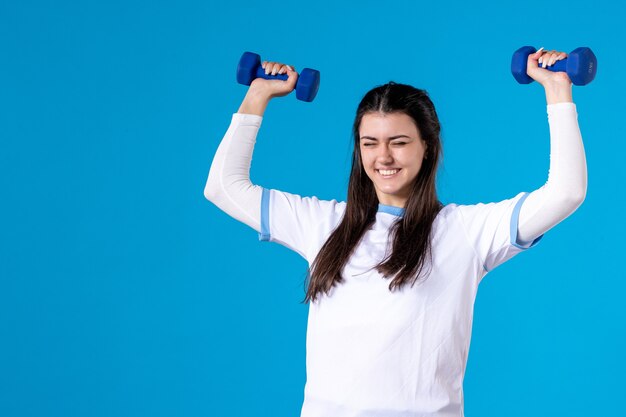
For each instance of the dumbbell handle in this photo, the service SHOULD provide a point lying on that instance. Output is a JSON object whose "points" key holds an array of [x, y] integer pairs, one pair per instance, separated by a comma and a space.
{"points": [[558, 66], [260, 73]]}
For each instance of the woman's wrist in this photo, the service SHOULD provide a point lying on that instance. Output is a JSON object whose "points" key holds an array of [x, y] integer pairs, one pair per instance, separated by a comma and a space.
{"points": [[255, 102], [559, 93]]}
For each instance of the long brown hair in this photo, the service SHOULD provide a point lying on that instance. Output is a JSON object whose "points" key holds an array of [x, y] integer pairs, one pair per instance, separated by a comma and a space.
{"points": [[410, 233]]}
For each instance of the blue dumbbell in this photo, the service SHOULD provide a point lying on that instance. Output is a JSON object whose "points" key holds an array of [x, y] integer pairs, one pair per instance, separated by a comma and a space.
{"points": [[581, 65], [250, 68]]}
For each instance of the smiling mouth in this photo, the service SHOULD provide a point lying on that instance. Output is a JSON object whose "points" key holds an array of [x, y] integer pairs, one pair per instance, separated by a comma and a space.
{"points": [[388, 176]]}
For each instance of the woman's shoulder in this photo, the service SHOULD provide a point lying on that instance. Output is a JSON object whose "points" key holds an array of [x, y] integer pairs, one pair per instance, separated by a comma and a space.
{"points": [[486, 203], [479, 213], [447, 210], [312, 202]]}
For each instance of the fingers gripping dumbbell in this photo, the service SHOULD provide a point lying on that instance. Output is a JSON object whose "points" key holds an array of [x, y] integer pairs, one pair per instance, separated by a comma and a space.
{"points": [[581, 65], [250, 68]]}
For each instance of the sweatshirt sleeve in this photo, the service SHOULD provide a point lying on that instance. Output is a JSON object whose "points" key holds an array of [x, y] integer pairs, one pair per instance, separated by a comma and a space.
{"points": [[228, 185], [566, 186]]}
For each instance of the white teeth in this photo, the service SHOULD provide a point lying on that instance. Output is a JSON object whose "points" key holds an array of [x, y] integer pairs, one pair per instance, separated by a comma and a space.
{"points": [[385, 172]]}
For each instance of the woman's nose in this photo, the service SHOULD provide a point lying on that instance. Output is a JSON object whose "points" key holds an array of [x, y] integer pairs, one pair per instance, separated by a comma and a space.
{"points": [[384, 152]]}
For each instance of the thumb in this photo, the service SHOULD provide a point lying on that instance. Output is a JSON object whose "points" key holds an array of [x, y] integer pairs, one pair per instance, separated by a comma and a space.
{"points": [[537, 54], [292, 75]]}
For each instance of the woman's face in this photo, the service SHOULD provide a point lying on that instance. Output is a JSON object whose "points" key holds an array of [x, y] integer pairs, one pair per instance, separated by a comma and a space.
{"points": [[391, 142]]}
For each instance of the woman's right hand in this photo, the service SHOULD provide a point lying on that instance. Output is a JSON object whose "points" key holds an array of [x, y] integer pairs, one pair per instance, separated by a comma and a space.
{"points": [[275, 88]]}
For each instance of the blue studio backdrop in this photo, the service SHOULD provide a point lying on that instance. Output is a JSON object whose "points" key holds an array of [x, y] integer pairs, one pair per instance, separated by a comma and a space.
{"points": [[124, 292]]}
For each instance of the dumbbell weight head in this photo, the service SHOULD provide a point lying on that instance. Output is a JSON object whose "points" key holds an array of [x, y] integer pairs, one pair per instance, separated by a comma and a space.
{"points": [[247, 68], [250, 68], [307, 85], [580, 65]]}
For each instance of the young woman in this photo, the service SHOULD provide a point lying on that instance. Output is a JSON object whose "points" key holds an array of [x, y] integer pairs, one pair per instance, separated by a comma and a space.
{"points": [[393, 273]]}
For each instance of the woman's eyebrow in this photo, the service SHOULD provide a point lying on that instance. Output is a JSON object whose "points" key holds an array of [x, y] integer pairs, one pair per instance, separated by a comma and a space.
{"points": [[391, 138]]}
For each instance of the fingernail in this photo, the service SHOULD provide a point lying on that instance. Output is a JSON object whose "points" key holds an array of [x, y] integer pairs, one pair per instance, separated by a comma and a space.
{"points": [[539, 49]]}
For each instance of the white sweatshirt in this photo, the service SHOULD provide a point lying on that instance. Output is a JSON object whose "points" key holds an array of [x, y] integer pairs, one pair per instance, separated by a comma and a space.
{"points": [[371, 352]]}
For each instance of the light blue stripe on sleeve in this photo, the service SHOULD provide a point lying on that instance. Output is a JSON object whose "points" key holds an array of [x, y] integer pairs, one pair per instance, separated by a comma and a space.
{"points": [[265, 216], [514, 225]]}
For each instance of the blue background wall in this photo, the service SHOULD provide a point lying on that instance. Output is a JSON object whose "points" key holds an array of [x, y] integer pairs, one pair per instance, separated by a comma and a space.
{"points": [[123, 292]]}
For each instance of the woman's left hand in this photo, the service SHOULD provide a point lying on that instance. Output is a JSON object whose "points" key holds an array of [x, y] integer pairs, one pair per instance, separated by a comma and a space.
{"points": [[536, 70]]}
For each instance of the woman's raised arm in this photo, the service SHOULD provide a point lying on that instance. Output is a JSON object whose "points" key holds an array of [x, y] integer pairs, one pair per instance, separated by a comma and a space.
{"points": [[566, 186], [228, 185]]}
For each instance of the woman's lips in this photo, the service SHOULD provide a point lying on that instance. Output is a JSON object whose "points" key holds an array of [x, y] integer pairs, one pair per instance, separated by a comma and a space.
{"points": [[388, 176]]}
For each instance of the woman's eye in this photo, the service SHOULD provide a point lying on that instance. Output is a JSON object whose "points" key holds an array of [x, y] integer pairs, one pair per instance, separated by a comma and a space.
{"points": [[395, 143]]}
